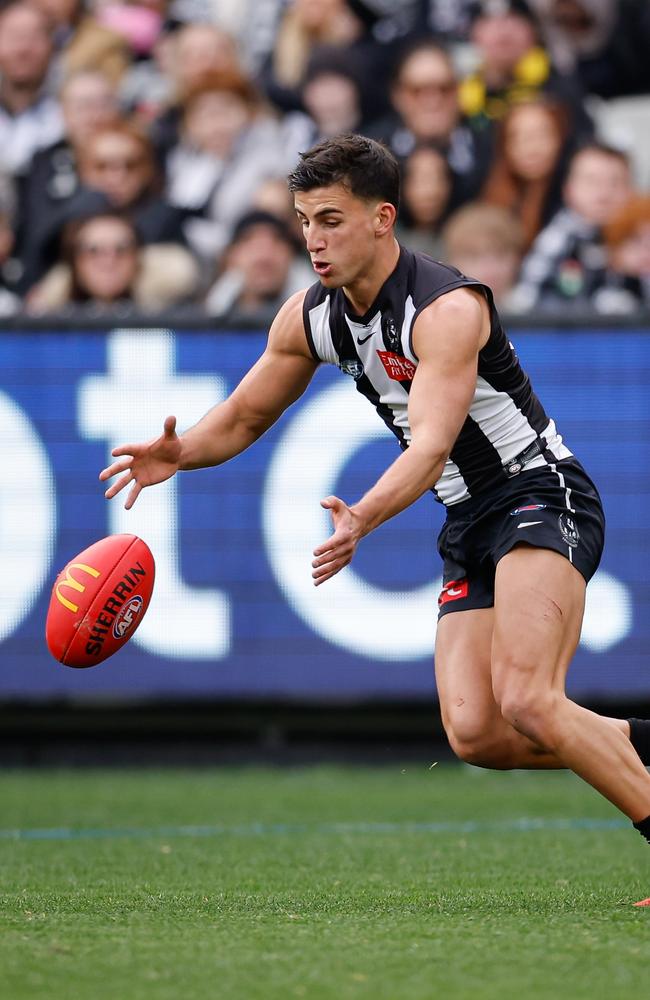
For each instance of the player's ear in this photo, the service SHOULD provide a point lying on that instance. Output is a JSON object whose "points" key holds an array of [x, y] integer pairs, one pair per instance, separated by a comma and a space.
{"points": [[385, 214]]}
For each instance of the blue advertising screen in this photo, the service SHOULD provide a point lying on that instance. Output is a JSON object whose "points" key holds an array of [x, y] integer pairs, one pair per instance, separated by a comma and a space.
{"points": [[234, 612]]}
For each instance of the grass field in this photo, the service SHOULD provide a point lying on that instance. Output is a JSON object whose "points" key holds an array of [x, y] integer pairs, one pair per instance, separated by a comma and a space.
{"points": [[395, 883]]}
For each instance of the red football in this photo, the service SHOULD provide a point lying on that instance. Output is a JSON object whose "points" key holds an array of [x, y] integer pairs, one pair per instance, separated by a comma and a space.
{"points": [[99, 600]]}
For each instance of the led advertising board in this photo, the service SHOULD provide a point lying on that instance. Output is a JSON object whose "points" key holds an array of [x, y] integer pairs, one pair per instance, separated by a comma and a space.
{"points": [[234, 612]]}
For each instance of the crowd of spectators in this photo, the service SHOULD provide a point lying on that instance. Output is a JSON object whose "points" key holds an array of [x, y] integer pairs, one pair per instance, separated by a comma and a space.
{"points": [[144, 147]]}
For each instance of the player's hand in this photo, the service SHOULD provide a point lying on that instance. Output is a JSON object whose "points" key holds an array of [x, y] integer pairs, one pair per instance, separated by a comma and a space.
{"points": [[144, 464], [337, 551]]}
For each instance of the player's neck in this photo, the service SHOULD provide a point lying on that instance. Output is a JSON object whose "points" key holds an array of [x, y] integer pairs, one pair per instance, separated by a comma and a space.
{"points": [[362, 292]]}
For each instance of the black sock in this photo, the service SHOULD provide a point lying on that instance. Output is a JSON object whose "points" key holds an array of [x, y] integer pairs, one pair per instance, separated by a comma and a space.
{"points": [[640, 738], [643, 826]]}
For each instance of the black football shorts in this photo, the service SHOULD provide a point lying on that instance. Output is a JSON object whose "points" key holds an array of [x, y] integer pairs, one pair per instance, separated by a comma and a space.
{"points": [[556, 507]]}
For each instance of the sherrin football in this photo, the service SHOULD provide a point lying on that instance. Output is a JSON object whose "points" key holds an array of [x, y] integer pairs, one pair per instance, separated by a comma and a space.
{"points": [[99, 599]]}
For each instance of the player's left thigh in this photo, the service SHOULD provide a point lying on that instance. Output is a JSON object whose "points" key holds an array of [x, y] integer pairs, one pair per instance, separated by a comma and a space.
{"points": [[538, 609]]}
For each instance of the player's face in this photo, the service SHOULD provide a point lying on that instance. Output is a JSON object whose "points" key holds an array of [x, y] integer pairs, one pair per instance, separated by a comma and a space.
{"points": [[340, 231]]}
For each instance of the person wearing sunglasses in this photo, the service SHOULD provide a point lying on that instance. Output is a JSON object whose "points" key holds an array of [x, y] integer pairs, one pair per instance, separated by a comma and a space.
{"points": [[426, 111], [105, 270]]}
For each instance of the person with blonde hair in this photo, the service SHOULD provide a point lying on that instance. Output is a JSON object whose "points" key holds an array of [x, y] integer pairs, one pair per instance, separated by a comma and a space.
{"points": [[486, 242]]}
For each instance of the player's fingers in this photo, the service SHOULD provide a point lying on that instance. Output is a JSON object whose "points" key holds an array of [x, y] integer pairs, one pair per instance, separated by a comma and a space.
{"points": [[125, 449], [340, 556], [115, 468], [323, 549], [332, 503], [330, 544], [340, 552], [326, 572], [133, 496], [119, 485], [338, 542]]}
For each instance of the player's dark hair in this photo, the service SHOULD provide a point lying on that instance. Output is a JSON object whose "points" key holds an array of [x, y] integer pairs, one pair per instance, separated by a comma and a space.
{"points": [[365, 167]]}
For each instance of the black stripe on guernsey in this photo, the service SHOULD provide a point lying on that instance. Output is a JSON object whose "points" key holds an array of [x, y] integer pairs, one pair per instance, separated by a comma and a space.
{"points": [[310, 300], [343, 342], [476, 457], [495, 365]]}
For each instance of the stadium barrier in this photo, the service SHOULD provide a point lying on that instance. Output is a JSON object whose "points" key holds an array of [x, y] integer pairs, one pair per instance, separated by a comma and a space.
{"points": [[234, 614]]}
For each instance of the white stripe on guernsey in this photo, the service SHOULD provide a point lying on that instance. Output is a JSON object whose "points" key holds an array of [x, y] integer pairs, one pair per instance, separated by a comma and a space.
{"points": [[501, 420], [567, 499], [451, 487], [506, 427], [319, 322], [554, 442], [409, 313]]}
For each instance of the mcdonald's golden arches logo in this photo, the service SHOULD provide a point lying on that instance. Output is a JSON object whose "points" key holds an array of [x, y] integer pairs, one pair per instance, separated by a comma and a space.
{"points": [[69, 581]]}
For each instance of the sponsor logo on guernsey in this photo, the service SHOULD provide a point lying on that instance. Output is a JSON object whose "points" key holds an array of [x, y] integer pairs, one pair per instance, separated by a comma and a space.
{"points": [[527, 508], [453, 591], [353, 368], [127, 616], [398, 368], [568, 530]]}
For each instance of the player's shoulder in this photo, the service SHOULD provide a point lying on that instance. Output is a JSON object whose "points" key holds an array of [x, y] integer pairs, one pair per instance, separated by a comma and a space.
{"points": [[459, 318], [287, 333], [462, 303]]}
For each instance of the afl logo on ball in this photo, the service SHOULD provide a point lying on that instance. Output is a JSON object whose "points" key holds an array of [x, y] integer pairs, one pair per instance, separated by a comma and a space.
{"points": [[127, 617], [569, 530]]}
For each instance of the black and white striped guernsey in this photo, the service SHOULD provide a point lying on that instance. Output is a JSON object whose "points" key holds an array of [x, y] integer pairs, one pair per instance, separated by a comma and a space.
{"points": [[376, 350]]}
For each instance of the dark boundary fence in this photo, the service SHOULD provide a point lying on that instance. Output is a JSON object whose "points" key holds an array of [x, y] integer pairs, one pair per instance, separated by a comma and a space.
{"points": [[237, 733]]}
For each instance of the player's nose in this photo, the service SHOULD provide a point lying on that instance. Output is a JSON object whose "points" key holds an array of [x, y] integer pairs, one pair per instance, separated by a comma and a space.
{"points": [[315, 242]]}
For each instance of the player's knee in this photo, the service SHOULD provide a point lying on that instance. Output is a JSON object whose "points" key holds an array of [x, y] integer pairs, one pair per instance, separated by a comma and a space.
{"points": [[528, 707], [476, 743]]}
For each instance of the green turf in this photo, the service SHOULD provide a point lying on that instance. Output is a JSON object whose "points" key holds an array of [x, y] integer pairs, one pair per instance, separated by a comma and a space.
{"points": [[277, 900]]}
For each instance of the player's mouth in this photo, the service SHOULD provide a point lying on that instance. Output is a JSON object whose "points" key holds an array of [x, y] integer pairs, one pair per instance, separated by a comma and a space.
{"points": [[322, 267]]}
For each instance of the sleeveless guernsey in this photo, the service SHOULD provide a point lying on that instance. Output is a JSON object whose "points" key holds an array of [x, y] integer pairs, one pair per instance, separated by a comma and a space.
{"points": [[376, 350]]}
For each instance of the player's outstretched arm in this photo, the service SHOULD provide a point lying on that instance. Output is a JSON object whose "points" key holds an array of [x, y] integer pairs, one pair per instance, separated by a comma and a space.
{"points": [[279, 377], [447, 337]]}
